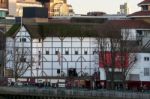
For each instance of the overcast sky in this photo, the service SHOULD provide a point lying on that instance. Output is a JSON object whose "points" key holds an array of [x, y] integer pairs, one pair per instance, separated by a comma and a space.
{"points": [[108, 6]]}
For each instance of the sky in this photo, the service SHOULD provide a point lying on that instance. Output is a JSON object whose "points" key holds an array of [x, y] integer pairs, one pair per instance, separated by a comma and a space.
{"points": [[108, 6]]}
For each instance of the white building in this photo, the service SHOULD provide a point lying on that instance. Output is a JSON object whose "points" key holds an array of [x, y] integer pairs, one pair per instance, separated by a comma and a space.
{"points": [[51, 54], [137, 32], [47, 51]]}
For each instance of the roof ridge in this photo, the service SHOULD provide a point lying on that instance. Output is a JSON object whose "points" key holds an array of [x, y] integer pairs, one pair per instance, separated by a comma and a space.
{"points": [[140, 13], [143, 2]]}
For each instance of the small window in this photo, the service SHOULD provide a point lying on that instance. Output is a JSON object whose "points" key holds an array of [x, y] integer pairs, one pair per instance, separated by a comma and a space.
{"points": [[146, 58], [22, 39], [145, 7], [67, 52], [76, 53], [47, 52], [56, 52], [22, 59], [146, 71], [139, 32], [85, 53]]}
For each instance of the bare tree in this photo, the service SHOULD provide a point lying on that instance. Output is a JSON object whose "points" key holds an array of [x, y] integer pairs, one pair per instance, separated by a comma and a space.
{"points": [[108, 38], [21, 62], [117, 54], [127, 52]]}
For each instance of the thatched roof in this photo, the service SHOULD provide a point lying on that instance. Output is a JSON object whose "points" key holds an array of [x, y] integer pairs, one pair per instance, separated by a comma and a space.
{"points": [[12, 31], [56, 30], [106, 29]]}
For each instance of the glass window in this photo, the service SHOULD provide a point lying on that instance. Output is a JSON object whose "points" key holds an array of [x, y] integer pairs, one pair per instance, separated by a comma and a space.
{"points": [[56, 52], [139, 32], [67, 52], [146, 58], [76, 53], [22, 59], [145, 7], [2, 14], [47, 52], [85, 53], [146, 71], [22, 39]]}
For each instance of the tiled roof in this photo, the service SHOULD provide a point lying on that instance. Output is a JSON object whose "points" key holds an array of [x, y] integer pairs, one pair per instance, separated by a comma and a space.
{"points": [[141, 13], [112, 28], [144, 2], [129, 24]]}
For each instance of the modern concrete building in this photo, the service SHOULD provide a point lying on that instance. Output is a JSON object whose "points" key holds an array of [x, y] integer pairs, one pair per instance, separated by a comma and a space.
{"points": [[15, 7]]}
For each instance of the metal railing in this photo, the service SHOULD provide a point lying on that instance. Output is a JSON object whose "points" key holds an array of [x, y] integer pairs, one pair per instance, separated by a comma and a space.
{"points": [[35, 91]]}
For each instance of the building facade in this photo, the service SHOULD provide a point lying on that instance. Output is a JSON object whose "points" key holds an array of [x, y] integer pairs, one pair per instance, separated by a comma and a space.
{"points": [[3, 8], [15, 7], [144, 13], [51, 51], [52, 55]]}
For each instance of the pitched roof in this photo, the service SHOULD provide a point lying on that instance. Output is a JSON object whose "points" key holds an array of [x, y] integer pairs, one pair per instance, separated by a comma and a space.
{"points": [[144, 2], [140, 13], [110, 27], [130, 24], [55, 29], [12, 31]]}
